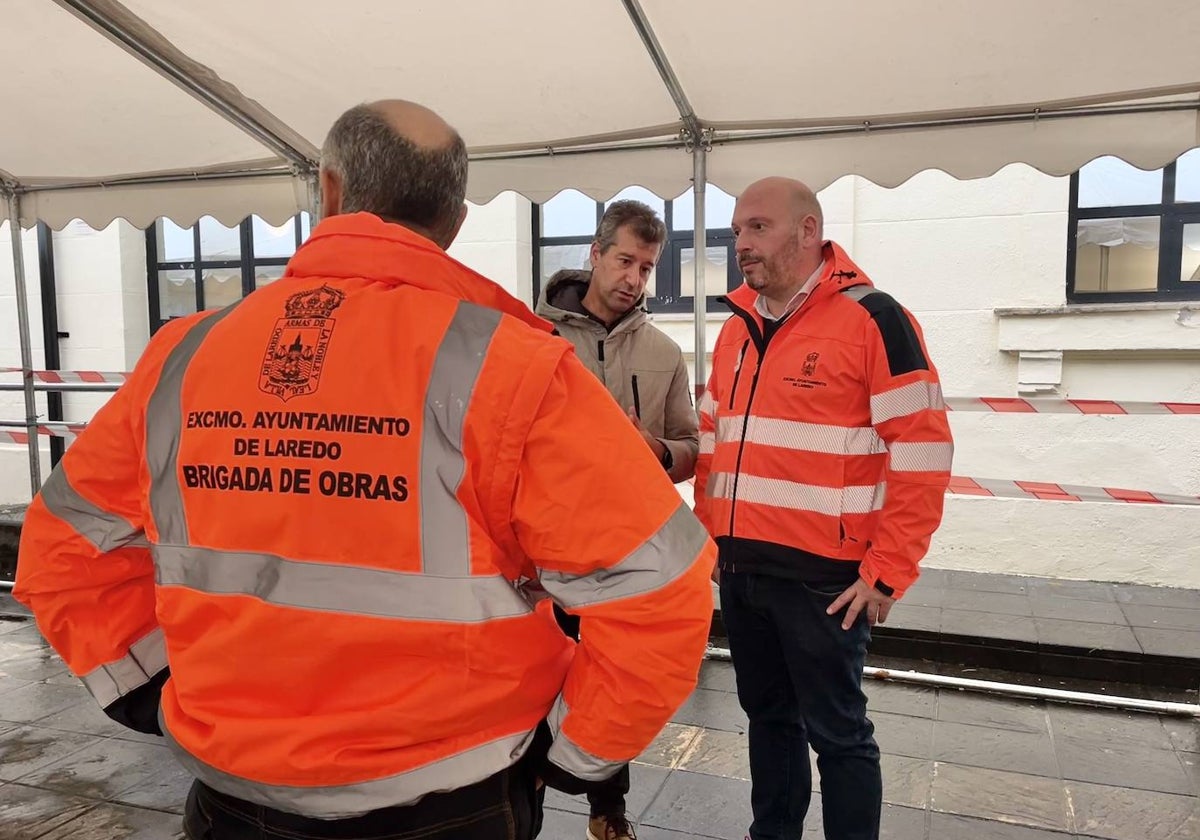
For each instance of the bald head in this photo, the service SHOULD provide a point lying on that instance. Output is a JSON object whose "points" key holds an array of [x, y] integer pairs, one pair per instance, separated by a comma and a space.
{"points": [[787, 192], [416, 123], [780, 235], [400, 161]]}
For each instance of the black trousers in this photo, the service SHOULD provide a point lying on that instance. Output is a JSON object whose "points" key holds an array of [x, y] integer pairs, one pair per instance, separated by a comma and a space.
{"points": [[505, 806], [799, 678], [608, 799]]}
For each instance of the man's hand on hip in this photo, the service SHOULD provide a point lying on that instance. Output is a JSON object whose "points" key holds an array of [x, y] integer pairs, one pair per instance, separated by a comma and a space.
{"points": [[860, 596]]}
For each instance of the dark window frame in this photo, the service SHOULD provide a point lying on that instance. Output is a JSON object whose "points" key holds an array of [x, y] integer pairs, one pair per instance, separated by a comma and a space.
{"points": [[246, 263], [1173, 216], [667, 278]]}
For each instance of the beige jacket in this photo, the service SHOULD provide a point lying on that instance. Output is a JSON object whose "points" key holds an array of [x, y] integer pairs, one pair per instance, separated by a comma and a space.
{"points": [[634, 350]]}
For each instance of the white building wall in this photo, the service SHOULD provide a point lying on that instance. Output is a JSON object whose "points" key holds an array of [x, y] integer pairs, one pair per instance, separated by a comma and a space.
{"points": [[496, 240], [982, 264]]}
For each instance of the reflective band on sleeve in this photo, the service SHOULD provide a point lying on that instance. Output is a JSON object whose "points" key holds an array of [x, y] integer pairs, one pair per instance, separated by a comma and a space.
{"points": [[164, 422], [570, 756], [445, 535], [905, 400], [114, 680], [343, 801], [662, 558], [353, 590], [101, 528], [921, 457], [803, 437], [708, 443], [708, 405]]}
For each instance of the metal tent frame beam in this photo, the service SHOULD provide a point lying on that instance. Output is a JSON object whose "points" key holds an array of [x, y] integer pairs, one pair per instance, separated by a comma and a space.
{"points": [[695, 138], [136, 37]]}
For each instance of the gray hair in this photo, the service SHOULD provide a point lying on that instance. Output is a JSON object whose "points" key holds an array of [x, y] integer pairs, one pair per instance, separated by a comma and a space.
{"points": [[641, 217], [387, 174]]}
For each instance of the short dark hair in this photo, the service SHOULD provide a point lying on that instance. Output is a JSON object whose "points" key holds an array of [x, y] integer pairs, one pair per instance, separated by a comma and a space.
{"points": [[389, 175], [641, 217]]}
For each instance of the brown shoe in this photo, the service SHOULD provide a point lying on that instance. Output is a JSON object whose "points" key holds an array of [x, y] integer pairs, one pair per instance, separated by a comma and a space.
{"points": [[610, 828]]}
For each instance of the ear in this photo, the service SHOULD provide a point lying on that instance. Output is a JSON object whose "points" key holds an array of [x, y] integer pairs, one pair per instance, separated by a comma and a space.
{"points": [[453, 231], [810, 229], [331, 193], [594, 255]]}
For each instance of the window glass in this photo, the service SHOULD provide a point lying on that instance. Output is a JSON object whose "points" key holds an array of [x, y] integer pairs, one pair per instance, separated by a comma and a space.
{"points": [[1111, 182], [1117, 255]]}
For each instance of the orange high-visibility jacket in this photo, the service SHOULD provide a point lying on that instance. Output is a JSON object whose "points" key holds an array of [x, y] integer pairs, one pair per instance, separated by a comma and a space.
{"points": [[319, 509], [824, 443]]}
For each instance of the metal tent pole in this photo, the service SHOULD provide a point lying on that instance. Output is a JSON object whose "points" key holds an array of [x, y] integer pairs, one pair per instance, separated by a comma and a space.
{"points": [[696, 139], [312, 185], [700, 246], [18, 255]]}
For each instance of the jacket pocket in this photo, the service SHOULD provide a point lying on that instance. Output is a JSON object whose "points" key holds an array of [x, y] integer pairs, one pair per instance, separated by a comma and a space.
{"points": [[737, 372]]}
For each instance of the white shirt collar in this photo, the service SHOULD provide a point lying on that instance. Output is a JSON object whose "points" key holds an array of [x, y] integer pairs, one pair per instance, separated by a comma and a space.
{"points": [[760, 303]]}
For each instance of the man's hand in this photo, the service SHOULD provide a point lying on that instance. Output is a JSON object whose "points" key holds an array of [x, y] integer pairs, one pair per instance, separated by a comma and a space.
{"points": [[860, 596], [656, 445]]}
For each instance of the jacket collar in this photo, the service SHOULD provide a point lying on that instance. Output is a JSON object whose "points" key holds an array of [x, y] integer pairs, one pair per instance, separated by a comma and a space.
{"points": [[840, 273], [362, 245], [562, 300]]}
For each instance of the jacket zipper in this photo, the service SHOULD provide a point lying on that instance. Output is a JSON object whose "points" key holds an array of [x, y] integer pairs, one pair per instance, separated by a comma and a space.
{"points": [[760, 343], [737, 372]]}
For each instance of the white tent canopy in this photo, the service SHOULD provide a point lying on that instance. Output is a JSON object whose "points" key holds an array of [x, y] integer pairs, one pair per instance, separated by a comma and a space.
{"points": [[167, 107]]}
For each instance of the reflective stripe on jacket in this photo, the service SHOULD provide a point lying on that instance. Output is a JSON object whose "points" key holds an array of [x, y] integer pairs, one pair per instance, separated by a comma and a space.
{"points": [[824, 437], [318, 507]]}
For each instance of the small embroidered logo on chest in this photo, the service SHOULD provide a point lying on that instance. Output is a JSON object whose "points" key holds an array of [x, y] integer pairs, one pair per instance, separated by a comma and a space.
{"points": [[810, 364]]}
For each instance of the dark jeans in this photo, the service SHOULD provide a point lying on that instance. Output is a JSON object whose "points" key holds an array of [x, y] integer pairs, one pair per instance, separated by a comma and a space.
{"points": [[608, 800], [799, 679], [503, 807]]}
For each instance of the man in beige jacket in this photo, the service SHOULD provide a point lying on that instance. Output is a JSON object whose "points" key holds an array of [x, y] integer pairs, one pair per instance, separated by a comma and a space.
{"points": [[601, 312]]}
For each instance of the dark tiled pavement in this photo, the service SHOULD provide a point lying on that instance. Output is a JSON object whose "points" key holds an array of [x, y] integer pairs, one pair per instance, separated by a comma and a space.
{"points": [[955, 766], [1102, 631]]}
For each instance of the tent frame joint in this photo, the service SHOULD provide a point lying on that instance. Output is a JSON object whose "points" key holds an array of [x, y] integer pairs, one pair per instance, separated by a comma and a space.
{"points": [[692, 140]]}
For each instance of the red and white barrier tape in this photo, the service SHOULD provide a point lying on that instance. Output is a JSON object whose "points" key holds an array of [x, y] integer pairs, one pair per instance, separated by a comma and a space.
{"points": [[1017, 405], [996, 405], [1047, 492], [57, 377], [1002, 488], [67, 431]]}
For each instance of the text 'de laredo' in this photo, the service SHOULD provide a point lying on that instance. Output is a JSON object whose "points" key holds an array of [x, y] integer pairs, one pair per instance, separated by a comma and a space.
{"points": [[276, 460]]}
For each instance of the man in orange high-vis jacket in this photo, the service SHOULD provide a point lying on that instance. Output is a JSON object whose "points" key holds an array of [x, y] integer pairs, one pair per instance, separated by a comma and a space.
{"points": [[824, 459], [301, 539]]}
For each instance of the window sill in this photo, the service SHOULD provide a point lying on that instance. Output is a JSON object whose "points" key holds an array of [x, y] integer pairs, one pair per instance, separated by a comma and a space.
{"points": [[1158, 326], [686, 317], [1090, 308]]}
